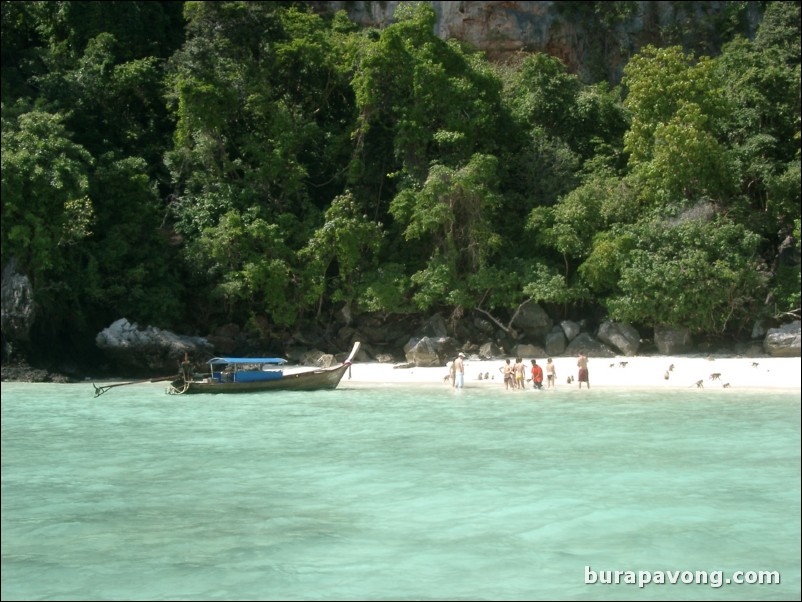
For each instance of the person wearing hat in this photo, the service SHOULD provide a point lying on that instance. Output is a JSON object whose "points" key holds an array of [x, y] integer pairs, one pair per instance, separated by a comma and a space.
{"points": [[459, 368]]}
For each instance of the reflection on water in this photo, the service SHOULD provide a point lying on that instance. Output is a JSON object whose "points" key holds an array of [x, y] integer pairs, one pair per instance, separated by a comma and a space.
{"points": [[395, 493]]}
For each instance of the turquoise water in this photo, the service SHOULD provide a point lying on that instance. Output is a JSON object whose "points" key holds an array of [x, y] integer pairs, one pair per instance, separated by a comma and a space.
{"points": [[395, 493]]}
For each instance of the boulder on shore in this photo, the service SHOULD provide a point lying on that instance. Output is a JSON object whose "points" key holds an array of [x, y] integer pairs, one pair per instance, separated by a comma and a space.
{"points": [[149, 351], [784, 341]]}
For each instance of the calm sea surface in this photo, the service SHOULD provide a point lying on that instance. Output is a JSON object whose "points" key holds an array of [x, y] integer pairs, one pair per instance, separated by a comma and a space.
{"points": [[397, 493]]}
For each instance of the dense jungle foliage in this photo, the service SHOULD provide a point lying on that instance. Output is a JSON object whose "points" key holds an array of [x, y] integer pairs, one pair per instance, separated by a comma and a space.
{"points": [[190, 164]]}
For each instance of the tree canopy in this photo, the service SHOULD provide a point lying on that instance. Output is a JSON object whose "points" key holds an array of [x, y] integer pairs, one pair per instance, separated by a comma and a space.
{"points": [[193, 164]]}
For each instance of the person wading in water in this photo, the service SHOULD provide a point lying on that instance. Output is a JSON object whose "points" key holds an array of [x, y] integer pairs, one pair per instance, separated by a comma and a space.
{"points": [[583, 377]]}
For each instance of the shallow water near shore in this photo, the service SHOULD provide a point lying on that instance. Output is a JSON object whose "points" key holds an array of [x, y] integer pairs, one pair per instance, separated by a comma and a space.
{"points": [[396, 493]]}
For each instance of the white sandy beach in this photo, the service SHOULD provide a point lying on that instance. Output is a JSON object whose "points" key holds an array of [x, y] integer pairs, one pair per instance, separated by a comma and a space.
{"points": [[645, 371]]}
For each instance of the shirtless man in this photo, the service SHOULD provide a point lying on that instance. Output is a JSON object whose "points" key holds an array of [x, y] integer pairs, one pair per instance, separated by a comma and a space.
{"points": [[459, 371], [582, 362], [506, 370]]}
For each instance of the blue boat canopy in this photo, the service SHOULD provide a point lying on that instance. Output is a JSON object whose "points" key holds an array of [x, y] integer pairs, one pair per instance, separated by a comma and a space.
{"points": [[246, 360]]}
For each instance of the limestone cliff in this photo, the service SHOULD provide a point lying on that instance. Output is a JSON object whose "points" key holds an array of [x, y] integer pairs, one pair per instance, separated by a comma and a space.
{"points": [[593, 39]]}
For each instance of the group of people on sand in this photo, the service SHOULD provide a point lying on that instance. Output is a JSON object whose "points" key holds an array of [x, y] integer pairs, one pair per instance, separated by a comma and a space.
{"points": [[515, 374]]}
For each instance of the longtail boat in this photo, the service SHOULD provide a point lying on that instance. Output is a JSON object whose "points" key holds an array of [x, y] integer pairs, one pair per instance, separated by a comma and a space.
{"points": [[256, 374]]}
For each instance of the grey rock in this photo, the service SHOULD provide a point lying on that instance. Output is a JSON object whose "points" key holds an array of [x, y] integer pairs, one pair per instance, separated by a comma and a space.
{"points": [[490, 351], [758, 330], [430, 352], [622, 336], [505, 29], [783, 341], [17, 312], [673, 341], [571, 329], [533, 321], [434, 327], [527, 351], [591, 347], [556, 342], [148, 350]]}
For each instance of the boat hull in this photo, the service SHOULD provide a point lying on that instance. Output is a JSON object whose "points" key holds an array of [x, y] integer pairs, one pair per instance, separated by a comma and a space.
{"points": [[313, 380]]}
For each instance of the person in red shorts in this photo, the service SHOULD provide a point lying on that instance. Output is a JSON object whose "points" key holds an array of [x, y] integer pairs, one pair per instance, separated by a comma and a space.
{"points": [[583, 376], [537, 375]]}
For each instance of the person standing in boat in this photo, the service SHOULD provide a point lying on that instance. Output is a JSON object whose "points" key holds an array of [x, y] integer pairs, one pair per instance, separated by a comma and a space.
{"points": [[186, 369]]}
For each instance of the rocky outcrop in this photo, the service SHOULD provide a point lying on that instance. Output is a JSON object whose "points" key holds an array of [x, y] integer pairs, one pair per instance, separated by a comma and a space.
{"points": [[149, 351], [17, 314], [571, 329], [528, 351], [621, 336], [23, 373], [532, 321], [490, 351], [556, 342], [783, 341], [132, 350], [594, 40], [429, 351], [313, 357], [591, 347], [673, 341]]}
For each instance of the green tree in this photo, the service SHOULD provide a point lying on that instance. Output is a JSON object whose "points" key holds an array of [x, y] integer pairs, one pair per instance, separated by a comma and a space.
{"points": [[93, 70], [762, 125], [131, 268], [341, 252], [762, 128], [264, 114], [251, 267], [448, 216], [262, 111], [590, 119], [573, 130], [47, 218], [678, 152], [543, 93], [45, 185], [420, 100], [20, 50], [706, 276], [687, 164], [658, 83], [570, 227]]}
